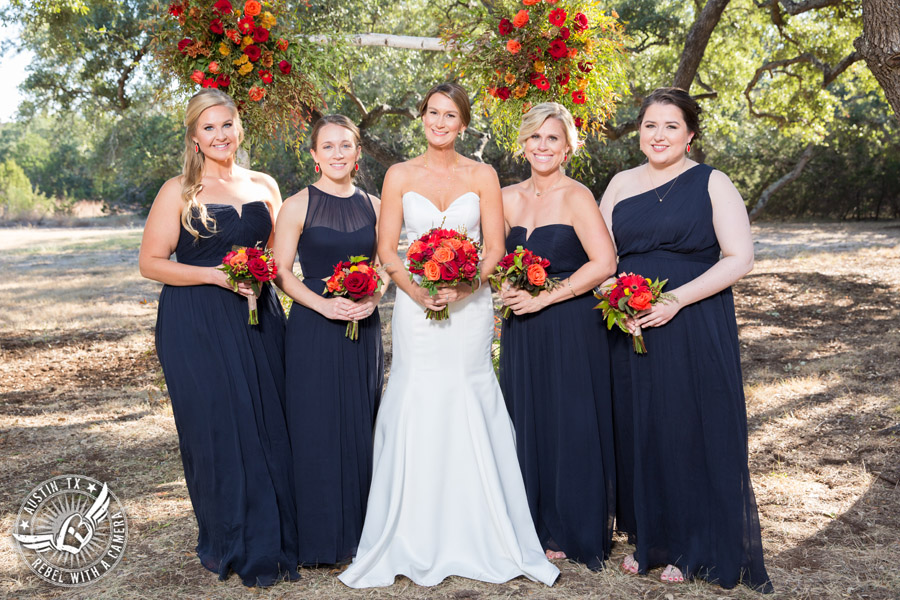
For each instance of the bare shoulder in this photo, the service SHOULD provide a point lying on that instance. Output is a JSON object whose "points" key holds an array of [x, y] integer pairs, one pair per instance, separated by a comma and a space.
{"points": [[170, 193], [722, 190], [578, 196], [265, 180], [482, 174], [514, 191], [298, 200], [399, 174]]}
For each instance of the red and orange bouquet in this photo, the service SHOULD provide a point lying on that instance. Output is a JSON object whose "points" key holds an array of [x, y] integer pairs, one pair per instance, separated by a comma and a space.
{"points": [[525, 270], [237, 47], [443, 257], [355, 278], [249, 265], [628, 295]]}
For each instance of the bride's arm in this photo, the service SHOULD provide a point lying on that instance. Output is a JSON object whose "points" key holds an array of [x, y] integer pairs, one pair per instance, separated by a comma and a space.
{"points": [[390, 224]]}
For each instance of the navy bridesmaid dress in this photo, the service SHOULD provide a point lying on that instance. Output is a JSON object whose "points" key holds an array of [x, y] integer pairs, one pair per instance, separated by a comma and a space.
{"points": [[684, 490], [334, 386], [226, 381], [554, 372]]}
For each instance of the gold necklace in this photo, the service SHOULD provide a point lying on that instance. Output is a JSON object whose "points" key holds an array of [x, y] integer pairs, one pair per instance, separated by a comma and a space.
{"points": [[674, 181], [449, 178], [539, 194]]}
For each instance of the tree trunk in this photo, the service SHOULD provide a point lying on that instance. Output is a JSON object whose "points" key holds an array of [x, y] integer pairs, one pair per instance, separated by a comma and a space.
{"points": [[696, 42], [783, 181], [880, 46]]}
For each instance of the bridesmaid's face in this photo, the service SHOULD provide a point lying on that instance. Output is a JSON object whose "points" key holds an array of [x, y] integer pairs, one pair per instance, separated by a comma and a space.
{"points": [[216, 133], [336, 152], [441, 121], [664, 135], [546, 148]]}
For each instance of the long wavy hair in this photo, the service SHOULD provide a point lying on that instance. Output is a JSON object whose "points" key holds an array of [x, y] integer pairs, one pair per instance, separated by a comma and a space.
{"points": [[192, 171]]}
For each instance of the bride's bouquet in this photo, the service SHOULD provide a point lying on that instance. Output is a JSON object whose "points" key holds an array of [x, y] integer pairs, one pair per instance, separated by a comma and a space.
{"points": [[250, 265], [626, 297], [443, 257]]}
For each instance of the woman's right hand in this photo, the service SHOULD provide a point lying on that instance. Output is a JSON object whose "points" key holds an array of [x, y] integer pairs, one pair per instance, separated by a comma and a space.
{"points": [[336, 309], [422, 297], [220, 278]]}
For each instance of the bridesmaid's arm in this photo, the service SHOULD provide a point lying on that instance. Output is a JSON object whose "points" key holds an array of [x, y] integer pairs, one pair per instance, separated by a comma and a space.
{"points": [[732, 228], [287, 233], [161, 233], [594, 238], [273, 202], [390, 224]]}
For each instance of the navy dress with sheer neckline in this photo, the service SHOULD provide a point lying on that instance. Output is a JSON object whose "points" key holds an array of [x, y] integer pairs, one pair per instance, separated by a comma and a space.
{"points": [[226, 381], [554, 372], [684, 489], [334, 386]]}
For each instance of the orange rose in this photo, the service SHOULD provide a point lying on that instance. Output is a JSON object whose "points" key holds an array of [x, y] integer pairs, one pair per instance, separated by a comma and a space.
{"points": [[252, 8], [641, 300], [452, 243], [238, 260], [513, 46], [432, 271], [256, 93], [536, 275], [520, 19], [530, 2], [468, 247], [443, 254]]}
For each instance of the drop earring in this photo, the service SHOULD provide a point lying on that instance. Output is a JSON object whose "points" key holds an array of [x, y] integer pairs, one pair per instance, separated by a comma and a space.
{"points": [[688, 148], [196, 148], [356, 167], [317, 167]]}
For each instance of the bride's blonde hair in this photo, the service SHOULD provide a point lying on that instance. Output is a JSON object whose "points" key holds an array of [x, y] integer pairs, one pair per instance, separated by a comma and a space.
{"points": [[192, 171]]}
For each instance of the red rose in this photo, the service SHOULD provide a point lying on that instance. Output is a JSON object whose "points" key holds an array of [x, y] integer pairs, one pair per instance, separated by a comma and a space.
{"points": [[558, 49], [503, 93], [641, 300], [586, 67], [223, 7], [266, 76], [356, 284], [183, 44], [197, 77], [470, 270], [564, 33], [285, 67], [581, 22], [449, 271], [254, 252], [258, 268], [562, 78], [176, 9], [253, 52], [615, 296], [505, 26], [223, 81], [245, 24], [216, 26], [557, 17], [282, 44], [578, 97], [578, 122], [260, 35]]}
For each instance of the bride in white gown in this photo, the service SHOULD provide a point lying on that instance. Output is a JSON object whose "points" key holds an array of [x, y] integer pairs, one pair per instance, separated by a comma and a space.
{"points": [[447, 496]]}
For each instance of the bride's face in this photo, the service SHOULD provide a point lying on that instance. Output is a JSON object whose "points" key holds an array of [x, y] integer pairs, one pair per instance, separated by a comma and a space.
{"points": [[441, 121]]}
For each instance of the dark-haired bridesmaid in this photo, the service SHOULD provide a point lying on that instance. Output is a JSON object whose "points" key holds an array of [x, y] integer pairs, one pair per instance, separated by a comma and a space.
{"points": [[333, 382], [225, 377], [683, 481]]}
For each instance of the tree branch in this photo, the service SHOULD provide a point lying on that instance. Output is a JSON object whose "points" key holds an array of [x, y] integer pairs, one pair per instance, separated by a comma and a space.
{"points": [[783, 181], [383, 39], [122, 101], [795, 8], [696, 42]]}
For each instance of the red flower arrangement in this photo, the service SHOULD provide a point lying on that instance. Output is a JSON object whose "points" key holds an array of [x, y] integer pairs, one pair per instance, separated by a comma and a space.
{"points": [[249, 265], [357, 279], [525, 270], [628, 295], [253, 63], [443, 257]]}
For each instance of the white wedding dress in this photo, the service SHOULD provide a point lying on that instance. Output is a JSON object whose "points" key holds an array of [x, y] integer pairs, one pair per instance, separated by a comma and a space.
{"points": [[447, 496]]}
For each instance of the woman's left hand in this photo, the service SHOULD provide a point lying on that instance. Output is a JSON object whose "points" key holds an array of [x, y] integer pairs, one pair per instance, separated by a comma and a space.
{"points": [[522, 302], [659, 314], [363, 308], [454, 293]]}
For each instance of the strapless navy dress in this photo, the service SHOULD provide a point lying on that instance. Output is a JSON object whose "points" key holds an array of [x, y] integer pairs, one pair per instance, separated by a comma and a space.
{"points": [[333, 386], [554, 372], [226, 381], [684, 489]]}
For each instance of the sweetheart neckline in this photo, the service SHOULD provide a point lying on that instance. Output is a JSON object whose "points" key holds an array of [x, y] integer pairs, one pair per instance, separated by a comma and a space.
{"points": [[449, 206], [240, 213], [528, 234]]}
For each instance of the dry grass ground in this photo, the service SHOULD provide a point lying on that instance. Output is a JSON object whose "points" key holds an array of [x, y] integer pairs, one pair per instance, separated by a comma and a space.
{"points": [[820, 330]]}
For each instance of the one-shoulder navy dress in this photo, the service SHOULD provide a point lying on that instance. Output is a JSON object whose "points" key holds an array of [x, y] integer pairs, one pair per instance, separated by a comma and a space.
{"points": [[333, 386], [684, 488], [554, 372], [226, 381]]}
